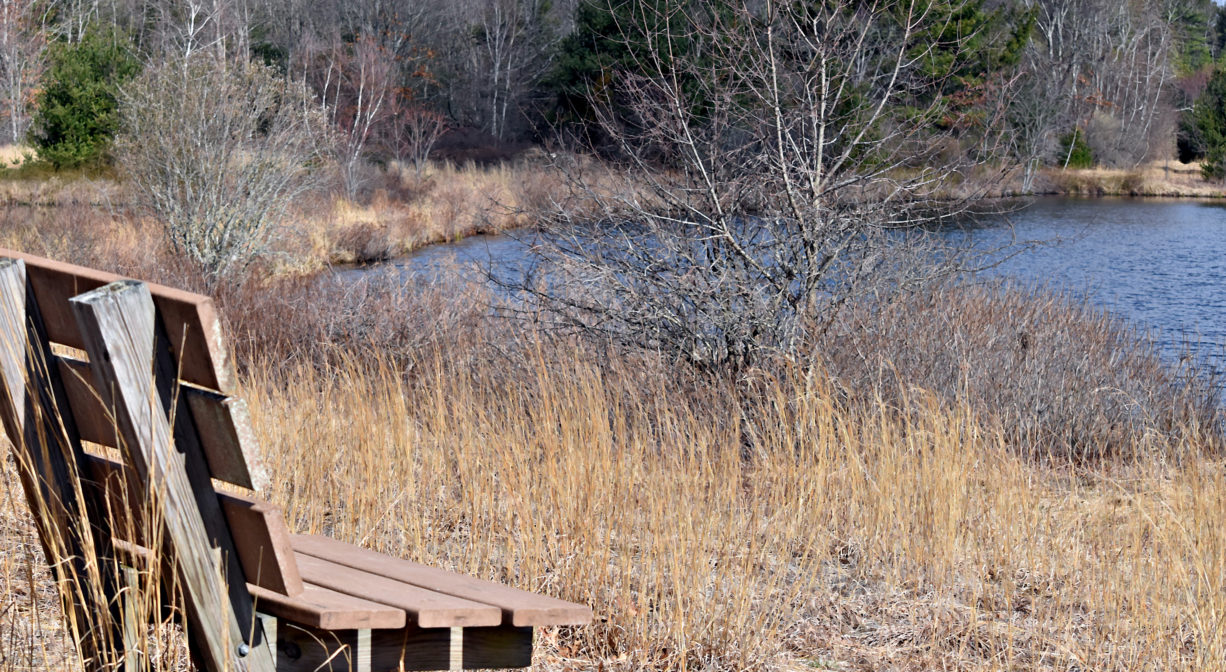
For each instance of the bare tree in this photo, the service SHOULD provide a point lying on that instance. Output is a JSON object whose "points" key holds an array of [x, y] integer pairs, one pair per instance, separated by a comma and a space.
{"points": [[218, 151], [504, 50], [185, 27], [774, 151], [411, 131], [22, 41], [1104, 68], [354, 80]]}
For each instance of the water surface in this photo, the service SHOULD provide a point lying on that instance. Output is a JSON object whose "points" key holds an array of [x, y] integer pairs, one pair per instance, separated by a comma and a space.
{"points": [[1159, 263]]}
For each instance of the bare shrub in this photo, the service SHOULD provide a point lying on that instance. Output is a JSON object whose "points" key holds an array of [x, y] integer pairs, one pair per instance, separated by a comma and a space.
{"points": [[217, 152], [1104, 135], [1065, 379], [320, 319], [411, 131]]}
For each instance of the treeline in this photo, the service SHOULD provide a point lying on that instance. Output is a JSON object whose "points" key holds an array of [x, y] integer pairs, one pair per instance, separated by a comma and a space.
{"points": [[1056, 82]]}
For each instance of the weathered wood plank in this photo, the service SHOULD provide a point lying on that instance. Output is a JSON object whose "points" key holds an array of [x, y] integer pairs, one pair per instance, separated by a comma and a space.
{"points": [[53, 284], [425, 608], [46, 444], [204, 361], [229, 444], [195, 333], [315, 607], [327, 609], [223, 423], [263, 543], [520, 608], [118, 327]]}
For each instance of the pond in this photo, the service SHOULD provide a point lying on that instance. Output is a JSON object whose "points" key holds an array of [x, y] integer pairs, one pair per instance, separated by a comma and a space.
{"points": [[1159, 263]]}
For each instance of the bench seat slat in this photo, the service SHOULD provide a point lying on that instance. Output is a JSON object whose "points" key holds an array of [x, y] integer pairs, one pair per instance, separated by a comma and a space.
{"points": [[519, 607], [314, 607], [327, 609], [425, 608]]}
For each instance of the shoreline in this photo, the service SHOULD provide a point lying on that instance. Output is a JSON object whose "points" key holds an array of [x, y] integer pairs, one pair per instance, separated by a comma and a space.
{"points": [[1157, 179]]}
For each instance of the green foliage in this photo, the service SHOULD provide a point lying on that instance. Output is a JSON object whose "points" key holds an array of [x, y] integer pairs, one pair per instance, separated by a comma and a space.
{"points": [[613, 42], [77, 113], [960, 42], [1194, 27], [1204, 127], [1074, 151]]}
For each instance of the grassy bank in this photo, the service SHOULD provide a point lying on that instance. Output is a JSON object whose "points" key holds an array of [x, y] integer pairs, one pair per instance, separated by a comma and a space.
{"points": [[396, 212], [1156, 178], [972, 477]]}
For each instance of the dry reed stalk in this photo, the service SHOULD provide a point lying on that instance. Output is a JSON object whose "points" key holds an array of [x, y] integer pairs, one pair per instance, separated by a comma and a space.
{"points": [[855, 537], [98, 589]]}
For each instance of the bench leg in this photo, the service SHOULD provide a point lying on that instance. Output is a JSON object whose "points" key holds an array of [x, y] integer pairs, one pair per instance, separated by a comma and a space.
{"points": [[361, 657], [304, 649], [133, 620], [268, 645]]}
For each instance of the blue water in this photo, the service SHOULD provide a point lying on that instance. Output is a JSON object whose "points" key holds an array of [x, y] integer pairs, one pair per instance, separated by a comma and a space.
{"points": [[1159, 263]]}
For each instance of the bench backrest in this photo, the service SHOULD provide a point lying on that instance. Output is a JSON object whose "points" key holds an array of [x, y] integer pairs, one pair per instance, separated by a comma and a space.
{"points": [[92, 365]]}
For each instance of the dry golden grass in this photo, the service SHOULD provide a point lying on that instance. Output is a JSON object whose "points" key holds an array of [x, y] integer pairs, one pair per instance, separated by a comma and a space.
{"points": [[1156, 178], [824, 535], [446, 202], [14, 155]]}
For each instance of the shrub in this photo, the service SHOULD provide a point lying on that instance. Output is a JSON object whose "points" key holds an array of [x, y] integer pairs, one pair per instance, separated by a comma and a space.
{"points": [[217, 152], [77, 112], [1064, 379], [1074, 150]]}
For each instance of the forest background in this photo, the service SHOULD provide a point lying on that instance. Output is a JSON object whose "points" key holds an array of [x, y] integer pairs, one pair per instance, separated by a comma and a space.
{"points": [[886, 463]]}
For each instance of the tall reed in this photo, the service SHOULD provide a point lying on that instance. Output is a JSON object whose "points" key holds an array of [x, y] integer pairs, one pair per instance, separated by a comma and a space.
{"points": [[852, 536]]}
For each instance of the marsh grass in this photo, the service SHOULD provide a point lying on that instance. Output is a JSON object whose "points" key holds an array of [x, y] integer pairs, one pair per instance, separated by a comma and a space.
{"points": [[930, 491], [446, 202], [902, 534], [1167, 178]]}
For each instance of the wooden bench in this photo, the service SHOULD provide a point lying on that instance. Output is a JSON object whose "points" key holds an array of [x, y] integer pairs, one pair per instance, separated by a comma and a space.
{"points": [[117, 394]]}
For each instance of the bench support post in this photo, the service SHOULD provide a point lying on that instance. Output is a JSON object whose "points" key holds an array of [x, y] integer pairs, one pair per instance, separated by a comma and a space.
{"points": [[49, 463], [120, 329]]}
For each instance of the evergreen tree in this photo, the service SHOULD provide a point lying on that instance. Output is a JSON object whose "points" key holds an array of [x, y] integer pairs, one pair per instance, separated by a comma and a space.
{"points": [[1194, 25], [614, 41], [1206, 125], [77, 114]]}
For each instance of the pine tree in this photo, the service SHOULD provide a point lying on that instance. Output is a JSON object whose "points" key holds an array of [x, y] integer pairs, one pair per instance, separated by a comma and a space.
{"points": [[1208, 122], [77, 114]]}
